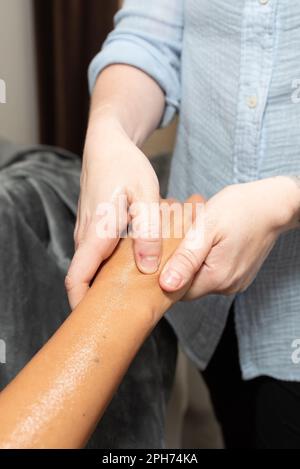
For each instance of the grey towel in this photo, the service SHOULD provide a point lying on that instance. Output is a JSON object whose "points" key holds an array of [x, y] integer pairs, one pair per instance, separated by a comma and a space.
{"points": [[39, 189]]}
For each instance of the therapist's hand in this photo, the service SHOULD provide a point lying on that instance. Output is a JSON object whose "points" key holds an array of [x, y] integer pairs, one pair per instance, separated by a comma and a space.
{"points": [[234, 233], [113, 166]]}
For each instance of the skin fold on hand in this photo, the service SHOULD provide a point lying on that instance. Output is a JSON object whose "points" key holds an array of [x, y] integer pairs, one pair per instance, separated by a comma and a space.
{"points": [[60, 395]]}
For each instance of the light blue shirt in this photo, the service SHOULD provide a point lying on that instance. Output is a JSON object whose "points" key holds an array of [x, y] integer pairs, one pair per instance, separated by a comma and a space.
{"points": [[232, 69]]}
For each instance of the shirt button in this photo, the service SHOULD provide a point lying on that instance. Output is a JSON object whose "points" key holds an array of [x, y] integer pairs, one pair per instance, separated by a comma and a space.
{"points": [[251, 102], [263, 2]]}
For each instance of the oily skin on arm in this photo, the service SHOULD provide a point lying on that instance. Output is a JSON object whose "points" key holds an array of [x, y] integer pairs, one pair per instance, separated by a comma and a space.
{"points": [[58, 398]]}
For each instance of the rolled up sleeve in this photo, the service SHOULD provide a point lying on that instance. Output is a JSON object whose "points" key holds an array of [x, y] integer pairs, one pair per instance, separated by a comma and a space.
{"points": [[147, 35]]}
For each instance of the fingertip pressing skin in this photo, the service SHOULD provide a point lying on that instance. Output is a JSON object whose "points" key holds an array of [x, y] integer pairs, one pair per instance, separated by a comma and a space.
{"points": [[147, 238], [147, 255]]}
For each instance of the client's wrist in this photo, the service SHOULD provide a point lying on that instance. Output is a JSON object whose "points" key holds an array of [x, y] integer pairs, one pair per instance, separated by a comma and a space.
{"points": [[122, 287]]}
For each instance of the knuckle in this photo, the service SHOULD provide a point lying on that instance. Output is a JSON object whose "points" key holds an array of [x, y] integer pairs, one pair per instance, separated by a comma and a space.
{"points": [[153, 180], [75, 234], [243, 288], [156, 187], [79, 234], [79, 242], [150, 186], [153, 183], [221, 280], [227, 283], [230, 291], [69, 282], [241, 285]]}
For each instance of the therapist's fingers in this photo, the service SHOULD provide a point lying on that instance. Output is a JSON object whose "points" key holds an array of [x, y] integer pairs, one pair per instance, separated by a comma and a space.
{"points": [[88, 257], [94, 245]]}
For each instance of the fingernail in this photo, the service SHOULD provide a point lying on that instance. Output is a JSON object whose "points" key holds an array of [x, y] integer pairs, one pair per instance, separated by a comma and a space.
{"points": [[171, 278], [149, 264]]}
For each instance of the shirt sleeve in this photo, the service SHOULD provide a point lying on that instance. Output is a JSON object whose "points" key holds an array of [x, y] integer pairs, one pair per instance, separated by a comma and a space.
{"points": [[147, 35]]}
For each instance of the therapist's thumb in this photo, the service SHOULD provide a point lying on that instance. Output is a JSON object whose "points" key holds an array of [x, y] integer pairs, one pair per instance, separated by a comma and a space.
{"points": [[146, 231], [186, 260]]}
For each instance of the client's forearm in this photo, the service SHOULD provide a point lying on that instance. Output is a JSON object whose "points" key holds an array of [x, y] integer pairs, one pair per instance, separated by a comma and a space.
{"points": [[58, 398]]}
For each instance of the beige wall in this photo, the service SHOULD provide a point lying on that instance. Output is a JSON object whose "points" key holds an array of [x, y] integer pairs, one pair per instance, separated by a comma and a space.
{"points": [[162, 141], [18, 117]]}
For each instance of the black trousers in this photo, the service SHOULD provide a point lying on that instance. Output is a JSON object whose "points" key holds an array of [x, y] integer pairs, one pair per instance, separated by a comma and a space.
{"points": [[263, 413]]}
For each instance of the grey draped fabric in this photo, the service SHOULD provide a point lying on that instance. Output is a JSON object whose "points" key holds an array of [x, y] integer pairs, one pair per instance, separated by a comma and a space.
{"points": [[39, 190]]}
